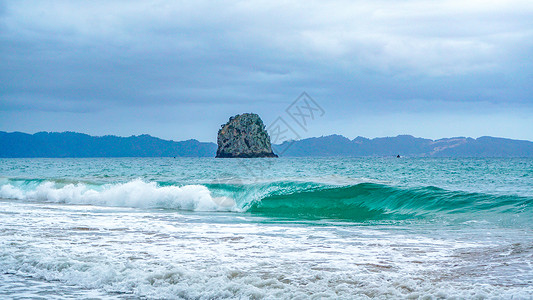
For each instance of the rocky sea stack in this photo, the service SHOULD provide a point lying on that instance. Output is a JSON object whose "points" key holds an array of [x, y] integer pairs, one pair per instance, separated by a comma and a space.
{"points": [[244, 136]]}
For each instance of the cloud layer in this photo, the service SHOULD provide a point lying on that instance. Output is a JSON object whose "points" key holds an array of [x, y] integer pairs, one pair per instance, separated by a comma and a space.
{"points": [[179, 69]]}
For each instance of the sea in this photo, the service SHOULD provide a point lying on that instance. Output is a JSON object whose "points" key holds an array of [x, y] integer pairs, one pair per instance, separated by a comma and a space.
{"points": [[287, 228]]}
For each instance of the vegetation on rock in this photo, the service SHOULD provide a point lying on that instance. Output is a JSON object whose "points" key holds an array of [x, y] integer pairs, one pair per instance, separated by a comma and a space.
{"points": [[244, 136]]}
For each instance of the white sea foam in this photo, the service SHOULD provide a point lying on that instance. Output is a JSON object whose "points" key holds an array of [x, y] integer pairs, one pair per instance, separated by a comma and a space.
{"points": [[136, 193], [71, 250], [52, 250]]}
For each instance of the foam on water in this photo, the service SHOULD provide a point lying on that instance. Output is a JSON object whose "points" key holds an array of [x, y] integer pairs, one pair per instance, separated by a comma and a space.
{"points": [[133, 252], [136, 193], [299, 199], [339, 228]]}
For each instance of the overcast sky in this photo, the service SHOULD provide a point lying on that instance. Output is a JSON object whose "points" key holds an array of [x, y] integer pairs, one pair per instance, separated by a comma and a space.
{"points": [[179, 69]]}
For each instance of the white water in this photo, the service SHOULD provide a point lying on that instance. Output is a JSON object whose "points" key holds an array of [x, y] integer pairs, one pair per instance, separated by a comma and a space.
{"points": [[136, 193], [123, 252], [87, 228]]}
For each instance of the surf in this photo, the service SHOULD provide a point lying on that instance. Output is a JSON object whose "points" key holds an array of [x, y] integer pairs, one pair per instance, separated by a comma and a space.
{"points": [[358, 202], [371, 201], [135, 193]]}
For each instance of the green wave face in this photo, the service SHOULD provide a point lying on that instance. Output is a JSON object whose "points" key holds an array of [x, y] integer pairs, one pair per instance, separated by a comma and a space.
{"points": [[370, 201], [284, 199], [345, 203]]}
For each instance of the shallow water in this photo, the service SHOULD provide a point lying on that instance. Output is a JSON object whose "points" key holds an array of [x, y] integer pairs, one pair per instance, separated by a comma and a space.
{"points": [[278, 228]]}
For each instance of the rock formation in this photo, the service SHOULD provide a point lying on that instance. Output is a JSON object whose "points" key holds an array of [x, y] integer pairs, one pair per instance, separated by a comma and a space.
{"points": [[244, 136]]}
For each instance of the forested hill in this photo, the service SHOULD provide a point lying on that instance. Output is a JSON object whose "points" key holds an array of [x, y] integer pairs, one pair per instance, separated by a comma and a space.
{"points": [[71, 144], [406, 145]]}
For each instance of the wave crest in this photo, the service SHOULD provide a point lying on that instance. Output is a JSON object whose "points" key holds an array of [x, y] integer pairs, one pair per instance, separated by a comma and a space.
{"points": [[371, 201], [136, 193], [286, 199]]}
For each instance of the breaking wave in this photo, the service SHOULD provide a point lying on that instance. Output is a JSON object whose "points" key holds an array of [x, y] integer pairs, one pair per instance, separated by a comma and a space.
{"points": [[136, 193], [287, 199]]}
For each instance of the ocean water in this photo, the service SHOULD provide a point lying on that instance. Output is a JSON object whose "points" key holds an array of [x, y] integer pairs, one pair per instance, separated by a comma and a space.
{"points": [[299, 228]]}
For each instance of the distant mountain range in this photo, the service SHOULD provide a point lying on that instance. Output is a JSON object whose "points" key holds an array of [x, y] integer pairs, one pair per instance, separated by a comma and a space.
{"points": [[71, 144], [407, 145]]}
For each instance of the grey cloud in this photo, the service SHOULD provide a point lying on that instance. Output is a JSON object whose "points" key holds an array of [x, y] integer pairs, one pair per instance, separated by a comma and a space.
{"points": [[377, 57]]}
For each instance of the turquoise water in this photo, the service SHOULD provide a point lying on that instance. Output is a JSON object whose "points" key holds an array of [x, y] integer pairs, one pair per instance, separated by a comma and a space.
{"points": [[266, 228]]}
